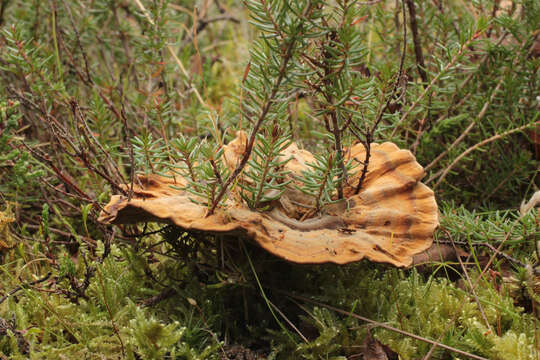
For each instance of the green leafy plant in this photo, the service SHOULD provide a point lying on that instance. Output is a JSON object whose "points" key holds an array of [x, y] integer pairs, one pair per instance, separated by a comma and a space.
{"points": [[93, 93], [149, 154], [264, 179], [322, 180]]}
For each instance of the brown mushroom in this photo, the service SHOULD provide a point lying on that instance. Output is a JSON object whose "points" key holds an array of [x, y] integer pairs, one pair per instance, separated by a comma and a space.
{"points": [[391, 219]]}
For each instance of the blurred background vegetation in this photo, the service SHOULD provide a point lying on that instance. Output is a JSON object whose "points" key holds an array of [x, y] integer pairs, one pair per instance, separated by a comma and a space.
{"points": [[93, 92]]}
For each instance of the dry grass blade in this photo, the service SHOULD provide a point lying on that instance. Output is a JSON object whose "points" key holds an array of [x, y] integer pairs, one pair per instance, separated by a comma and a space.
{"points": [[468, 278], [443, 173], [175, 57], [468, 129]]}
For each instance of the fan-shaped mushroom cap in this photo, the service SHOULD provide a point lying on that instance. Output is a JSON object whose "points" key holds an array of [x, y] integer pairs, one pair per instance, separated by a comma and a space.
{"points": [[392, 218]]}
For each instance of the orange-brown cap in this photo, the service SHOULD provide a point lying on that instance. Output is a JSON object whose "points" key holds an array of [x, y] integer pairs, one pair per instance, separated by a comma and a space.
{"points": [[391, 219]]}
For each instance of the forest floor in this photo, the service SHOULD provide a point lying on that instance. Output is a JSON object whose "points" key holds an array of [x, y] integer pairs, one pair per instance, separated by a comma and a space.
{"points": [[96, 93]]}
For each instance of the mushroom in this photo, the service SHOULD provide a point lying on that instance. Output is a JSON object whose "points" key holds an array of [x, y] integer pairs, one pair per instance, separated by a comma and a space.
{"points": [[389, 220]]}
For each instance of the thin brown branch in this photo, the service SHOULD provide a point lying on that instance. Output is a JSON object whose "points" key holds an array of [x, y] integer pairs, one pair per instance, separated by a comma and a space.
{"points": [[91, 139], [291, 324], [164, 295], [260, 119], [202, 23], [24, 286], [420, 64], [262, 116], [369, 136], [491, 247], [339, 150], [79, 44], [125, 44], [62, 233], [448, 66], [3, 6]]}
